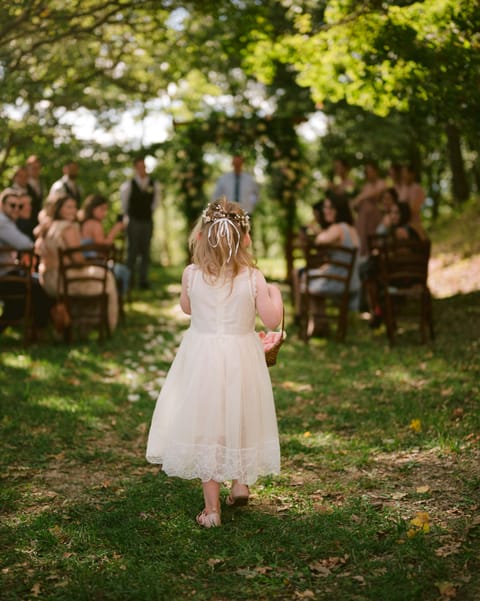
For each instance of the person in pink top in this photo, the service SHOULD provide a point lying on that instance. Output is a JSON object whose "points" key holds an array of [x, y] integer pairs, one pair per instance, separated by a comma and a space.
{"points": [[413, 194], [366, 206]]}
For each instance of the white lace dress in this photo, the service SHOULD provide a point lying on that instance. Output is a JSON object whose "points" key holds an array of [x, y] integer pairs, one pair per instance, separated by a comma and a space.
{"points": [[215, 416]]}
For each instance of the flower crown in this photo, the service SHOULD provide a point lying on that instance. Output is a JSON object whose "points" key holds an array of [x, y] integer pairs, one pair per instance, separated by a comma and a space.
{"points": [[215, 212]]}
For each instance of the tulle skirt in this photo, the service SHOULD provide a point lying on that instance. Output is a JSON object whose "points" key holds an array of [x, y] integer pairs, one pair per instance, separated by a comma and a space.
{"points": [[215, 416]]}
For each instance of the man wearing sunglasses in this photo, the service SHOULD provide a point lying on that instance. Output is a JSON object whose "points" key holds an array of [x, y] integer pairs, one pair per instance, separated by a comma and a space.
{"points": [[10, 236]]}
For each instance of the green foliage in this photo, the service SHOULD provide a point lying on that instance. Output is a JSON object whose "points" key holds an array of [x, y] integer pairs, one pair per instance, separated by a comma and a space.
{"points": [[409, 68]]}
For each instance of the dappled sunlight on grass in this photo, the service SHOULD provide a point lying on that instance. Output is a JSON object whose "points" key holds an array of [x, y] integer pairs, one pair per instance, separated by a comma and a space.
{"points": [[371, 438], [61, 403]]}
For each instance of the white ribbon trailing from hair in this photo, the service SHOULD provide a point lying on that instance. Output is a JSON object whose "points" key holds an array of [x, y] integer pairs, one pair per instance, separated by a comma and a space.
{"points": [[223, 231]]}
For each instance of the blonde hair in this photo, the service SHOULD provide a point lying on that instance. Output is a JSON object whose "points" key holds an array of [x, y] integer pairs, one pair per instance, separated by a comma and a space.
{"points": [[218, 241]]}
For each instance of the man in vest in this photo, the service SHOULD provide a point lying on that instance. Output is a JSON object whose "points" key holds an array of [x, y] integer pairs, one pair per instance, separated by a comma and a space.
{"points": [[139, 198], [35, 186]]}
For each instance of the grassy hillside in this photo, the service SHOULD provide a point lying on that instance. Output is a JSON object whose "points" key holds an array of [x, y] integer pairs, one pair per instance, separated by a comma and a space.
{"points": [[455, 264]]}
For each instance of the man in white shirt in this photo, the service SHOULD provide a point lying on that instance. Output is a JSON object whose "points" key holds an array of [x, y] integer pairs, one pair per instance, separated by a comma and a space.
{"points": [[67, 184], [139, 198], [238, 186]]}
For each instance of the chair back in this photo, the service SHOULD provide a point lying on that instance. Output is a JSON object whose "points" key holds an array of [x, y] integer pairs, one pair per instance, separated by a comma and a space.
{"points": [[404, 264], [82, 285], [404, 275], [331, 265], [329, 271], [16, 289]]}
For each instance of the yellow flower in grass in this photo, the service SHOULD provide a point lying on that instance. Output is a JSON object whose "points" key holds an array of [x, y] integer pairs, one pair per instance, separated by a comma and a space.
{"points": [[420, 523], [416, 425]]}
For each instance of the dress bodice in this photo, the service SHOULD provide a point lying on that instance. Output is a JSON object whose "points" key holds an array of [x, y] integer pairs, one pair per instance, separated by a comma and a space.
{"points": [[222, 308]]}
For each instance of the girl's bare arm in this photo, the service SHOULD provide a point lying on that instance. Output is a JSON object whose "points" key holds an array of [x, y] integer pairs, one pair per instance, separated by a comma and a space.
{"points": [[269, 302]]}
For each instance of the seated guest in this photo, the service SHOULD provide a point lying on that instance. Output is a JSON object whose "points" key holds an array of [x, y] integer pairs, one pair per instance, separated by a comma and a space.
{"points": [[64, 232], [339, 232], [413, 194], [25, 222], [306, 233], [92, 216], [318, 223], [396, 224], [399, 224], [11, 236], [387, 199]]}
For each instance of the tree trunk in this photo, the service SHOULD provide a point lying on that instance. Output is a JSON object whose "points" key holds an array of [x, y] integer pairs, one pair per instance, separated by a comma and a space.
{"points": [[460, 187]]}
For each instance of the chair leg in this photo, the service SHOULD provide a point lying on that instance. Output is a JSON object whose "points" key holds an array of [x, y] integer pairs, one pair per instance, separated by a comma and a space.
{"points": [[389, 318], [430, 315], [304, 319]]}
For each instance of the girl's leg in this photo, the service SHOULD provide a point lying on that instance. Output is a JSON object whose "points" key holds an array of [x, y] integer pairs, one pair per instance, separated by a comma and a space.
{"points": [[210, 516], [211, 494], [239, 494]]}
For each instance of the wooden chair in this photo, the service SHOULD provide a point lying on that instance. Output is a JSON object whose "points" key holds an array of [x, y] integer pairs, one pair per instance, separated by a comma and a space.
{"points": [[120, 256], [83, 273], [403, 276], [16, 289], [330, 267]]}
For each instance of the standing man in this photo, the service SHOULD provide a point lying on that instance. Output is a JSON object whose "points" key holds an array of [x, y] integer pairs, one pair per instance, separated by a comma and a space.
{"points": [[67, 184], [238, 186], [35, 186], [139, 198]]}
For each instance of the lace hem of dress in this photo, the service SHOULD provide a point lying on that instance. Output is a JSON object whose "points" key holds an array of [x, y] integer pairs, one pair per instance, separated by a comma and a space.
{"points": [[216, 462]]}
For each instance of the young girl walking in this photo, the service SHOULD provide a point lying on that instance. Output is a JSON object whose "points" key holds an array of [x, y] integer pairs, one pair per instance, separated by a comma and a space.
{"points": [[215, 416]]}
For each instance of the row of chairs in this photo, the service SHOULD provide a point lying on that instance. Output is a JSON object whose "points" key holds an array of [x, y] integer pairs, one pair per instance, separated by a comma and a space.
{"points": [[87, 311], [402, 275]]}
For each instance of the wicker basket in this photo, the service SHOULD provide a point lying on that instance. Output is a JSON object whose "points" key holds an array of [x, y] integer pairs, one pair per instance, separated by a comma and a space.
{"points": [[271, 354]]}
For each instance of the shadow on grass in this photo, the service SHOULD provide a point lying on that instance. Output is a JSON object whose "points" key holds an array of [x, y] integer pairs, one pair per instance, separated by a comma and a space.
{"points": [[143, 543]]}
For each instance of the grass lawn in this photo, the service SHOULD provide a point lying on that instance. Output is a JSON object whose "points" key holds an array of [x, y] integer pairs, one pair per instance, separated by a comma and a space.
{"points": [[378, 498]]}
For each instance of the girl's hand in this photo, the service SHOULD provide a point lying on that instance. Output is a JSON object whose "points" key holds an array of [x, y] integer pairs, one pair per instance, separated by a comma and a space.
{"points": [[269, 339]]}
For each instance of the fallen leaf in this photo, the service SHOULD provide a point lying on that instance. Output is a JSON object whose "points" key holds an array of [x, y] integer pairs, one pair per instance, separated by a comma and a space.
{"points": [[422, 489], [447, 590], [263, 569], [308, 594], [416, 425], [447, 550], [420, 523]]}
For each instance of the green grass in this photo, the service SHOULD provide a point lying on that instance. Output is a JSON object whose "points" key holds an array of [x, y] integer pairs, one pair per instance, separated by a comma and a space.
{"points": [[86, 518]]}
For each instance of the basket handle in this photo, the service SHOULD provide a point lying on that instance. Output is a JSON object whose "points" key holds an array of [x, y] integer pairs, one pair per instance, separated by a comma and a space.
{"points": [[283, 321]]}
